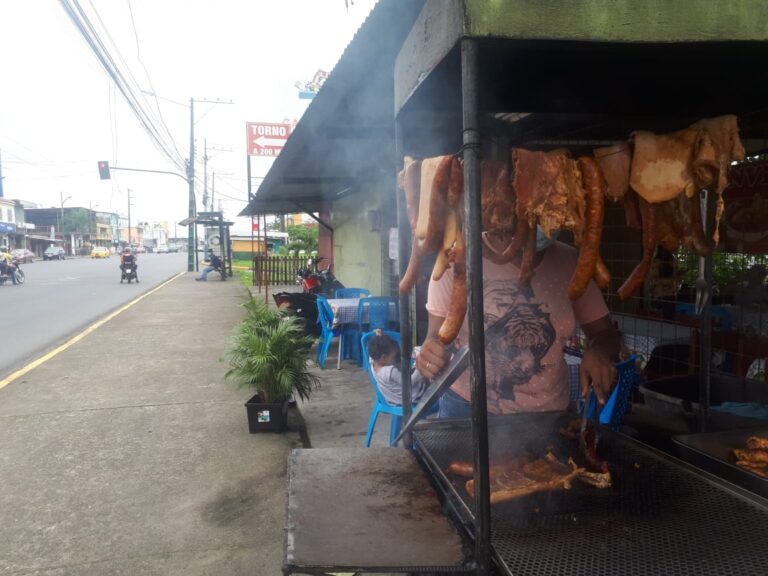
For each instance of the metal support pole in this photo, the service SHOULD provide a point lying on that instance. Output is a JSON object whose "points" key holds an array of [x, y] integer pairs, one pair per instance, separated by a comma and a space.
{"points": [[191, 245], [229, 251], [250, 197], [266, 259], [472, 231], [704, 298], [403, 255]]}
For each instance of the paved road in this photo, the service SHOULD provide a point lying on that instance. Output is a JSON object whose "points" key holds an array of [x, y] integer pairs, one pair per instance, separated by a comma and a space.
{"points": [[59, 298]]}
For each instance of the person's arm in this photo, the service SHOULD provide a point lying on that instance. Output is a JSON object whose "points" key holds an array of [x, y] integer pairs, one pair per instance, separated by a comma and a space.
{"points": [[603, 347], [433, 356]]}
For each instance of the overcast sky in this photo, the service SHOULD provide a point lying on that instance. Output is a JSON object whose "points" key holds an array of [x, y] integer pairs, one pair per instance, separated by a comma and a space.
{"points": [[60, 112]]}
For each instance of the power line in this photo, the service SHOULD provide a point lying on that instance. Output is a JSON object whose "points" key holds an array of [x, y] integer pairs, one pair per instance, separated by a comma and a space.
{"points": [[108, 62], [149, 79]]}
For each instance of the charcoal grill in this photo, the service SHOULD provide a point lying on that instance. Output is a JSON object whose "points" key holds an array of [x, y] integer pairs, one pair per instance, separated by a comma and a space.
{"points": [[661, 516], [713, 451]]}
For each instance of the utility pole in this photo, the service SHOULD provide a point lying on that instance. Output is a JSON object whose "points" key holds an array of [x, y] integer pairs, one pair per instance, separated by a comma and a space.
{"points": [[129, 218], [191, 247], [205, 175], [213, 188]]}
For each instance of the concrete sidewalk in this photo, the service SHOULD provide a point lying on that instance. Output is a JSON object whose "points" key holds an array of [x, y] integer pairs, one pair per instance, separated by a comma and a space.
{"points": [[128, 454]]}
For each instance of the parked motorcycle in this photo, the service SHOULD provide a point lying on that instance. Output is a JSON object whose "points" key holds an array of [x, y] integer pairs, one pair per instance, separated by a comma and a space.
{"points": [[5, 274], [129, 273], [304, 304], [316, 281], [299, 304]]}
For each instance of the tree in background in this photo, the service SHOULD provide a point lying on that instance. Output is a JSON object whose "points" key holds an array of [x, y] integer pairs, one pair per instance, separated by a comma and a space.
{"points": [[303, 237], [78, 223]]}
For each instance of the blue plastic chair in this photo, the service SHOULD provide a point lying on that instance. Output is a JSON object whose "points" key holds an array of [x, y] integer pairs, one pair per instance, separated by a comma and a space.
{"points": [[328, 332], [351, 292], [350, 335], [374, 312]]}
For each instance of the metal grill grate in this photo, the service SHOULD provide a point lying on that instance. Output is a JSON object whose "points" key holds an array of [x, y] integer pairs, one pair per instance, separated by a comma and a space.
{"points": [[660, 517]]}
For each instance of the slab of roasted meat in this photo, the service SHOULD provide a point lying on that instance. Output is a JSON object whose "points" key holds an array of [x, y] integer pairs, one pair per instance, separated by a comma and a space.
{"points": [[519, 477], [589, 451], [754, 457]]}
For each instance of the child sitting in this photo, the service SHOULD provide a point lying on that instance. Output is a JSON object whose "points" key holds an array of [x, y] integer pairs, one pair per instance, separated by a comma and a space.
{"points": [[385, 361]]}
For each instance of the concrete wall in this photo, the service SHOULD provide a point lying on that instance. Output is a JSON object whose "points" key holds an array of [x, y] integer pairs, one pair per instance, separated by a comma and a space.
{"points": [[360, 255]]}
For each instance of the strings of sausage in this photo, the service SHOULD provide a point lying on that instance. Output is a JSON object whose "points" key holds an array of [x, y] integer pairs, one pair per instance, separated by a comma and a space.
{"points": [[589, 252]]}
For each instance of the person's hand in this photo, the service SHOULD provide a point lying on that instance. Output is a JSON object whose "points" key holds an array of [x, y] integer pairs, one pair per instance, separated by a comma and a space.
{"points": [[597, 370], [432, 359]]}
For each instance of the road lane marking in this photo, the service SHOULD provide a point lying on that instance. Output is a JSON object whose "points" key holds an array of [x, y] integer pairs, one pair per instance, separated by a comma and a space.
{"points": [[75, 339]]}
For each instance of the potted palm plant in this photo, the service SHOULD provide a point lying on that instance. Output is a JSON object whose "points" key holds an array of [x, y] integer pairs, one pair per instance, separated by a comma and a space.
{"points": [[269, 354]]}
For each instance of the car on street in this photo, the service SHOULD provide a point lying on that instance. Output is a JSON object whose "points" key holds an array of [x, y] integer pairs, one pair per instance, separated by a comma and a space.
{"points": [[54, 253], [23, 255], [162, 249], [100, 252], [140, 250]]}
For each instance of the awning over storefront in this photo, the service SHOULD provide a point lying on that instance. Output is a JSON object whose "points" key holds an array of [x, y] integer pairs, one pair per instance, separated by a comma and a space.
{"points": [[346, 137]]}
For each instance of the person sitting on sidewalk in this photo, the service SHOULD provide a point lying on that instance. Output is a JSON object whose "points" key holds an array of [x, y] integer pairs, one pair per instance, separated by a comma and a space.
{"points": [[385, 360], [215, 264]]}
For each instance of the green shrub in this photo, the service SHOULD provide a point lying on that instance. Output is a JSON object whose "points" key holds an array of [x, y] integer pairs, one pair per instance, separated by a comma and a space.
{"points": [[269, 355]]}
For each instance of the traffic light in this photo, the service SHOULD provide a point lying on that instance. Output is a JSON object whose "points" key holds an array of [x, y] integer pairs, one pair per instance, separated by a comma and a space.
{"points": [[104, 170]]}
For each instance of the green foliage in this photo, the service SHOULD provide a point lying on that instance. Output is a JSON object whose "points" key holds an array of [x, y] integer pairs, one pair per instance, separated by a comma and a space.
{"points": [[303, 237], [728, 269], [76, 222], [268, 353], [259, 314]]}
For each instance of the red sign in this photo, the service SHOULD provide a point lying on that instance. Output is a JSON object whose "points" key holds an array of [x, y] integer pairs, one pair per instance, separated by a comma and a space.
{"points": [[255, 226], [266, 139]]}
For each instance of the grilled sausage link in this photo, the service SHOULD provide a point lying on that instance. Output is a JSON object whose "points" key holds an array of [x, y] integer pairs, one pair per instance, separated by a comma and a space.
{"points": [[602, 274], [637, 277], [594, 185]]}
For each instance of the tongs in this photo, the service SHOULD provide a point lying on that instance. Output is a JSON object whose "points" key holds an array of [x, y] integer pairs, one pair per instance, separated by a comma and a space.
{"points": [[589, 411]]}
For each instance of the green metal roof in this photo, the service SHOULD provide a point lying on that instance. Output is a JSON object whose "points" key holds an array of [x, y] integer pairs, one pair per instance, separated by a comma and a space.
{"points": [[522, 29], [619, 20]]}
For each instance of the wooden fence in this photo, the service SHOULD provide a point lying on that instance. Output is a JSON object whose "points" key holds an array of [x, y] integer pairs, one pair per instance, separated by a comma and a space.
{"points": [[276, 270]]}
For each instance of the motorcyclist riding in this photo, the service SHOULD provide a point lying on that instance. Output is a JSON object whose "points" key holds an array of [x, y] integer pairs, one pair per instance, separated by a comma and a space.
{"points": [[6, 261], [127, 258]]}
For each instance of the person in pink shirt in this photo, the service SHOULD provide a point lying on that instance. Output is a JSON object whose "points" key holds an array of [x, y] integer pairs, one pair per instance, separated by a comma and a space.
{"points": [[525, 366]]}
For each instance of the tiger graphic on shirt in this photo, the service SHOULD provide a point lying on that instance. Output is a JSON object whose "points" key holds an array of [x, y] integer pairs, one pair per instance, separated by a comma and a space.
{"points": [[515, 355]]}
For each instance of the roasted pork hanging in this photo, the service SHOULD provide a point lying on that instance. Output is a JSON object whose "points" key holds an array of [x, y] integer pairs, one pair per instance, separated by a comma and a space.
{"points": [[658, 177]]}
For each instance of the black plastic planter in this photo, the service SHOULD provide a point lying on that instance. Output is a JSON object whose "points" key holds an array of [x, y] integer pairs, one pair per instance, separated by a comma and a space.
{"points": [[264, 417]]}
